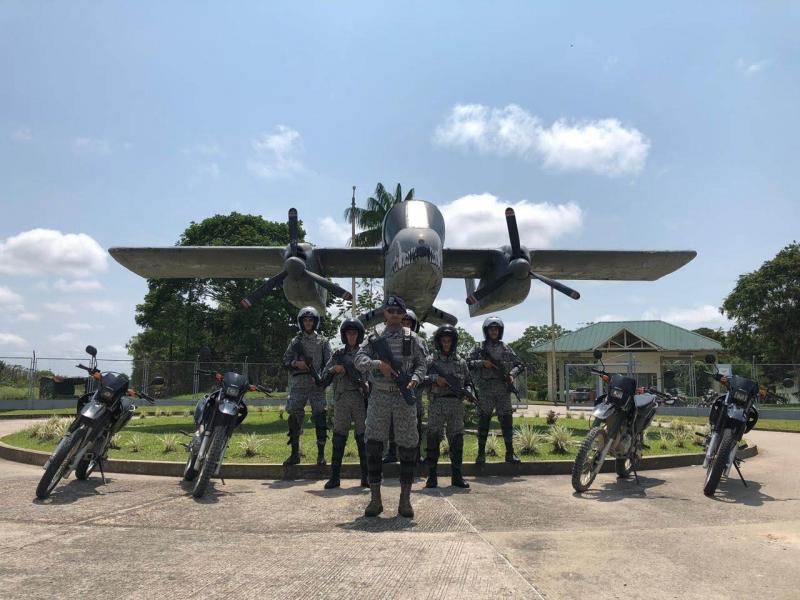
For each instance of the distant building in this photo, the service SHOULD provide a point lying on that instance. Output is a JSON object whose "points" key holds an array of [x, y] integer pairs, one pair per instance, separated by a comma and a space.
{"points": [[656, 353]]}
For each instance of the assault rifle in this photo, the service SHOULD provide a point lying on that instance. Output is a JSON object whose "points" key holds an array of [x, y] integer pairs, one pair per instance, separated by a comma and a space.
{"points": [[454, 384], [503, 372], [340, 357], [300, 353], [381, 347]]}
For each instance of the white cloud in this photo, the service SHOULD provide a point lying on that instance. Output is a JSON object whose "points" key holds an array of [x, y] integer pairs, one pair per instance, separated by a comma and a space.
{"points": [[27, 316], [46, 251], [79, 326], [691, 318], [205, 172], [59, 307], [332, 232], [204, 150], [609, 317], [11, 340], [60, 338], [602, 146], [21, 134], [277, 154], [77, 285], [752, 67], [479, 220], [85, 146], [10, 300], [103, 306], [117, 349]]}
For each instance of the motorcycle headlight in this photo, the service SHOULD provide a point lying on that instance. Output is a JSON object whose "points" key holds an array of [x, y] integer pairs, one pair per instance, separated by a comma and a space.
{"points": [[232, 391], [107, 394], [616, 393], [740, 396]]}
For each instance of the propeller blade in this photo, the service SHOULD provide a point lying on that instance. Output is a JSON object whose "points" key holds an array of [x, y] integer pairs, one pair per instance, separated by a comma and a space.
{"points": [[513, 233], [262, 290], [487, 289], [557, 285], [293, 229], [334, 289]]}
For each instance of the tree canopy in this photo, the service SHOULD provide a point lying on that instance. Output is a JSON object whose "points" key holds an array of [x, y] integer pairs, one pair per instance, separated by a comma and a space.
{"points": [[765, 308], [370, 219]]}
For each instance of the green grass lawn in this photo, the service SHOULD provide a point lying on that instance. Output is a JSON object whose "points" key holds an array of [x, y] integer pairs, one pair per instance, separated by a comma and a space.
{"points": [[790, 425], [270, 427]]}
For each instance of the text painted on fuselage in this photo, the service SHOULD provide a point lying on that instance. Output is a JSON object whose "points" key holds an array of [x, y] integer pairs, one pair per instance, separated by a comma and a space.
{"points": [[409, 257]]}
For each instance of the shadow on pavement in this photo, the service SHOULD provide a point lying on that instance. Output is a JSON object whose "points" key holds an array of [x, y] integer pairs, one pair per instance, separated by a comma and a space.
{"points": [[379, 524], [345, 490], [77, 489], [620, 489], [732, 491]]}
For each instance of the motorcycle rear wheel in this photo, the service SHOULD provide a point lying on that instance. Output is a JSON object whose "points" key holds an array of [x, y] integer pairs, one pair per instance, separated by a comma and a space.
{"points": [[719, 463], [585, 462]]}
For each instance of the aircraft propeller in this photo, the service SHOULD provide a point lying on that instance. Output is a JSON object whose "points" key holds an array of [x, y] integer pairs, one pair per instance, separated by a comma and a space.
{"points": [[519, 267], [294, 265]]}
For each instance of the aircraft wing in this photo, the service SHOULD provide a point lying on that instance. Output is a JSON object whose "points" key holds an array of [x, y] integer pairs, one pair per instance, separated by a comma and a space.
{"points": [[229, 262], [462, 263], [350, 262], [622, 265]]}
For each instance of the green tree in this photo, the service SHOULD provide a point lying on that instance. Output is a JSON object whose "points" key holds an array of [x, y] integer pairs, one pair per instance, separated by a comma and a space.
{"points": [[465, 341], [533, 336], [370, 219], [765, 308], [178, 316], [715, 334]]}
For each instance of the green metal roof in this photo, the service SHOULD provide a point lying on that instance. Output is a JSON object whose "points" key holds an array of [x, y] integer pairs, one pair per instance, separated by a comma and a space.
{"points": [[663, 336]]}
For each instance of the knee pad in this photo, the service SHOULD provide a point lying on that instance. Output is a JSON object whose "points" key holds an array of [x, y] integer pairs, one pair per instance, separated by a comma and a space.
{"points": [[406, 454], [484, 421], [375, 449], [339, 441], [321, 420]]}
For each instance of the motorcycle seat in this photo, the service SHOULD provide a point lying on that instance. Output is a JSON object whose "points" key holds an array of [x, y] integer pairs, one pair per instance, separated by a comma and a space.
{"points": [[644, 400]]}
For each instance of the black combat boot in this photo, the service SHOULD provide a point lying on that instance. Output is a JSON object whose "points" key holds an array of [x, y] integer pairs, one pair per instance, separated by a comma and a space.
{"points": [[431, 459], [483, 434], [404, 508], [375, 470], [294, 441], [339, 442], [362, 459], [320, 421], [456, 456], [507, 427]]}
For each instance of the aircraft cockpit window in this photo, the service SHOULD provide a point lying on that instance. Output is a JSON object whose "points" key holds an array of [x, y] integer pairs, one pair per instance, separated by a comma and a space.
{"points": [[412, 214]]}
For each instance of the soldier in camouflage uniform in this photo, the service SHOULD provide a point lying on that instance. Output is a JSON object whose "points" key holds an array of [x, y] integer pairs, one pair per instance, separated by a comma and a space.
{"points": [[445, 407], [493, 387], [387, 405], [302, 387], [409, 320], [349, 403]]}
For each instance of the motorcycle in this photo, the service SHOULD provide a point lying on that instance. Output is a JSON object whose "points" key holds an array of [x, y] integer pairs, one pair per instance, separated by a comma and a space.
{"points": [[732, 415], [102, 412], [216, 416], [620, 419]]}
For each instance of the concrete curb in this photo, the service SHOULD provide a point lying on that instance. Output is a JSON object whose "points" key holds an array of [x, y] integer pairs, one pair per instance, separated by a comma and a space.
{"points": [[352, 470]]}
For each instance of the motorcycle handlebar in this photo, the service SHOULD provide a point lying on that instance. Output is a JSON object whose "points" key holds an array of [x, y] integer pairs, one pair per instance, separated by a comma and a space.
{"points": [[149, 399]]}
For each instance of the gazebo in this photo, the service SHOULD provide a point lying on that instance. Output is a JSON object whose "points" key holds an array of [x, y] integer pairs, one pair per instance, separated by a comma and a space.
{"points": [[656, 353]]}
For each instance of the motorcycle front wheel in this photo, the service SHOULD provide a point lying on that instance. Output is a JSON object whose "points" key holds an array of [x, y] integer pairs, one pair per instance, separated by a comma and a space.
{"points": [[584, 468], [720, 461], [213, 457], [59, 461]]}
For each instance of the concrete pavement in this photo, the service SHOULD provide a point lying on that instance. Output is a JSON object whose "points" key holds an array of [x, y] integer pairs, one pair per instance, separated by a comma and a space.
{"points": [[144, 537]]}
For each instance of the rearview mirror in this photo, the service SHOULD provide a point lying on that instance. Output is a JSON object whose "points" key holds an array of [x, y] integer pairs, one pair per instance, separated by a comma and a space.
{"points": [[711, 359], [157, 381], [91, 351], [788, 383], [597, 354], [205, 354]]}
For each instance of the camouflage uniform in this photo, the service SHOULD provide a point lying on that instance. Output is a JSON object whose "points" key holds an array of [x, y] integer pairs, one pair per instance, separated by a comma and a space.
{"points": [[303, 389], [387, 406], [493, 392], [349, 406]]}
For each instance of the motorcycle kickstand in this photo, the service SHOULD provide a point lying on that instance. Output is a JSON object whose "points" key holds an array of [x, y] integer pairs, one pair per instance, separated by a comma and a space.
{"points": [[739, 471], [102, 474], [636, 476]]}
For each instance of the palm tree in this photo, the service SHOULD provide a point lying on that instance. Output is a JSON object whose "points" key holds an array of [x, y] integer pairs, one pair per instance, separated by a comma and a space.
{"points": [[370, 219]]}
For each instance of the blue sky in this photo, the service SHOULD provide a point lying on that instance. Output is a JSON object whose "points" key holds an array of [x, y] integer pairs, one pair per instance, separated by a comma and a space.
{"points": [[609, 126]]}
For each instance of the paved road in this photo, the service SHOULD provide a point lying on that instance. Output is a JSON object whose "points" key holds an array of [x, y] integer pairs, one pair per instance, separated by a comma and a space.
{"points": [[143, 537]]}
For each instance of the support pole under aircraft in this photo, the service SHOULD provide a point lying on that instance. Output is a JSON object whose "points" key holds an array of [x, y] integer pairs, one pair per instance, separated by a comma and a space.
{"points": [[551, 364], [352, 245]]}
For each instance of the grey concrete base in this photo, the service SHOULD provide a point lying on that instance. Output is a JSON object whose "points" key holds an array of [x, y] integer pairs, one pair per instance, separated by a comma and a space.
{"points": [[353, 471]]}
